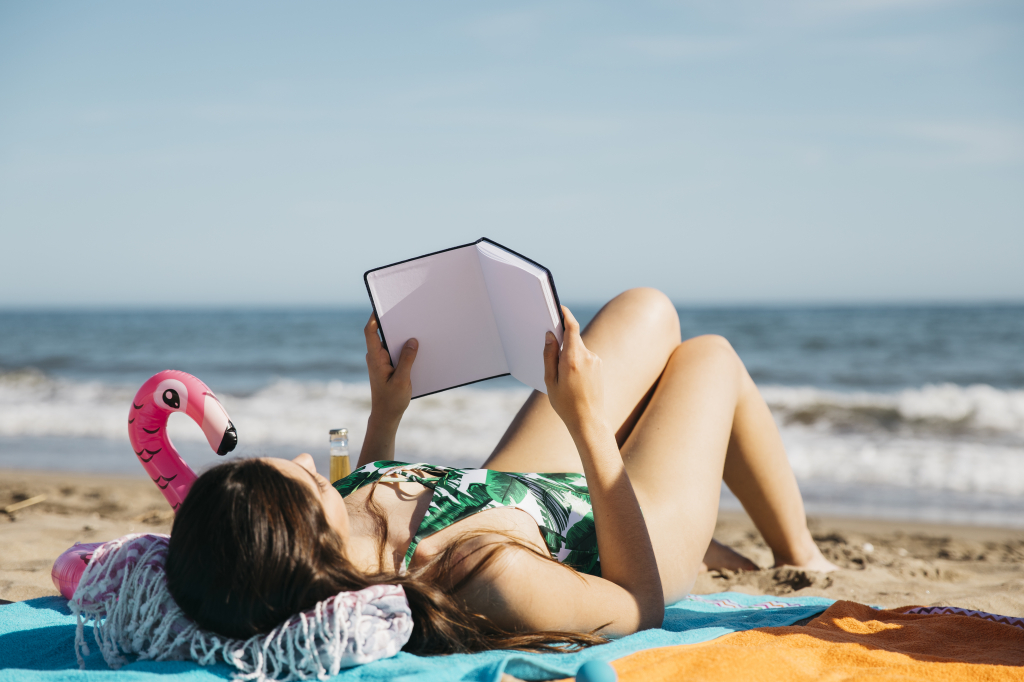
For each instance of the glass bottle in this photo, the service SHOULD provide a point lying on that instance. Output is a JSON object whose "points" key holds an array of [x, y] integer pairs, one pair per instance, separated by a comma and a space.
{"points": [[340, 466]]}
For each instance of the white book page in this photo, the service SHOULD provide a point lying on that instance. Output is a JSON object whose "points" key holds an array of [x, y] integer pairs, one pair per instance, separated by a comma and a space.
{"points": [[524, 309], [442, 301]]}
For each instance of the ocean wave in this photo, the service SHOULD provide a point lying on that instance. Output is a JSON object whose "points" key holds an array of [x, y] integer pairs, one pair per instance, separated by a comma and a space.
{"points": [[935, 437], [977, 412], [462, 425]]}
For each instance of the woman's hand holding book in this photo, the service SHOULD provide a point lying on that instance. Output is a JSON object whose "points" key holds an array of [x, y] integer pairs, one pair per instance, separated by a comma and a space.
{"points": [[390, 393], [573, 378]]}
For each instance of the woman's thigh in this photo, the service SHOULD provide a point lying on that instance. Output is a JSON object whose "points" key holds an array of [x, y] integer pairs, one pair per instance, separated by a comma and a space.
{"points": [[676, 453], [634, 334]]}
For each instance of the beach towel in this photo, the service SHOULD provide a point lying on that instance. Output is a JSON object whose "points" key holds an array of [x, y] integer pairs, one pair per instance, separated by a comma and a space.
{"points": [[37, 645], [849, 641]]}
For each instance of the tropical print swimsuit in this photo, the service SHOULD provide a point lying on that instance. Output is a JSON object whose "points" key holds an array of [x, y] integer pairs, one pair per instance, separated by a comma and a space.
{"points": [[559, 503]]}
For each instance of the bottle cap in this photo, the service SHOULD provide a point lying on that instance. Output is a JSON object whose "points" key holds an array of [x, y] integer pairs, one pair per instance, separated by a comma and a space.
{"points": [[339, 432]]}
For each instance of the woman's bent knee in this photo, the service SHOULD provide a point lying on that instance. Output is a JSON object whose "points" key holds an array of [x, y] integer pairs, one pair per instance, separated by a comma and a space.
{"points": [[649, 309], [710, 343], [711, 348], [649, 300]]}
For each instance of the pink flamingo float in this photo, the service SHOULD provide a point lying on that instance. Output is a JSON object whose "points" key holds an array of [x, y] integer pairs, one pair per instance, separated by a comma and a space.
{"points": [[162, 395]]}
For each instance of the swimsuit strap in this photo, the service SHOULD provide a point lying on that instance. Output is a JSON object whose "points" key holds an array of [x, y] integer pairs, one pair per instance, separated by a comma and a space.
{"points": [[398, 476], [404, 473]]}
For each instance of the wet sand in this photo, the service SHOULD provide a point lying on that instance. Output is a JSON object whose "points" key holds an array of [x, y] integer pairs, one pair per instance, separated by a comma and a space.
{"points": [[884, 563]]}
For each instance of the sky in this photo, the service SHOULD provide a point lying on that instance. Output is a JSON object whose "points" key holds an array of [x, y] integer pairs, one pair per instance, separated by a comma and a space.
{"points": [[735, 152]]}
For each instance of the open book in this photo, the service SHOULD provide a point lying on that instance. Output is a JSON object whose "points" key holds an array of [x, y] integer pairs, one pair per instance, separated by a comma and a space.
{"points": [[479, 311]]}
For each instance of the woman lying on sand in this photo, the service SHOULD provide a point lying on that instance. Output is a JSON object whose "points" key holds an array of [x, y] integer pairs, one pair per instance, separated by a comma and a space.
{"points": [[653, 423]]}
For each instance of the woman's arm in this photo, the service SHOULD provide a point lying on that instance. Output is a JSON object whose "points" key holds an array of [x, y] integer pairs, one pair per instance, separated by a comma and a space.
{"points": [[521, 591], [576, 392], [390, 393]]}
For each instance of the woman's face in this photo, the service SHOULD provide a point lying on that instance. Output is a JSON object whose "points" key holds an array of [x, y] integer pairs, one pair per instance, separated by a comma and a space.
{"points": [[303, 470]]}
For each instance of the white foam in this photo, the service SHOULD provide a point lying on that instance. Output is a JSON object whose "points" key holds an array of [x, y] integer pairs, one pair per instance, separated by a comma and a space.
{"points": [[460, 426], [906, 462], [942, 437], [980, 411], [937, 437]]}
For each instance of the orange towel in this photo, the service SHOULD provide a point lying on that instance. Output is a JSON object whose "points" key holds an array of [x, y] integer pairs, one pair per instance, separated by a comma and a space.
{"points": [[849, 641]]}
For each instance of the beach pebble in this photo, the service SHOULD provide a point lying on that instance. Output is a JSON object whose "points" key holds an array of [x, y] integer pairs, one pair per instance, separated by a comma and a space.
{"points": [[596, 671], [868, 547]]}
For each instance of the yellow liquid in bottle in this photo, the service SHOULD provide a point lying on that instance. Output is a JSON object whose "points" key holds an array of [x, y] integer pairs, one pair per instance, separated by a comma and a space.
{"points": [[340, 467]]}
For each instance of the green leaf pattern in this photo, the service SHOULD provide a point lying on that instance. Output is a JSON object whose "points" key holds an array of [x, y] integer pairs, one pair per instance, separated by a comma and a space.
{"points": [[559, 503]]}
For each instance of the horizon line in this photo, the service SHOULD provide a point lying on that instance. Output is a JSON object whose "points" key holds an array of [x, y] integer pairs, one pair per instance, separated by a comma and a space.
{"points": [[353, 307]]}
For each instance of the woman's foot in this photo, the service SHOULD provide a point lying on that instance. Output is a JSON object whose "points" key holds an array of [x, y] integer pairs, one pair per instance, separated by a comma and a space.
{"points": [[721, 556], [819, 563], [811, 559]]}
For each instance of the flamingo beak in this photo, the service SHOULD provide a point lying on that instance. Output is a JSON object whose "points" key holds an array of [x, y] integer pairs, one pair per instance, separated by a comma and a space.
{"points": [[229, 441], [220, 432]]}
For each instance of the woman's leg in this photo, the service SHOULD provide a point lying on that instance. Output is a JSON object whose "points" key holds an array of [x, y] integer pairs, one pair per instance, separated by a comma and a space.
{"points": [[634, 334], [704, 421]]}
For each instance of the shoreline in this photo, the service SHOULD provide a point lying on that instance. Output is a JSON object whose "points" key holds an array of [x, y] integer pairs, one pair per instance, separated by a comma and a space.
{"points": [[885, 563]]}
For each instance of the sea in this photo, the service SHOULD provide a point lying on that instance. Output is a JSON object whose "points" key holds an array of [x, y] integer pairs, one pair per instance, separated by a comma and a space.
{"points": [[894, 412]]}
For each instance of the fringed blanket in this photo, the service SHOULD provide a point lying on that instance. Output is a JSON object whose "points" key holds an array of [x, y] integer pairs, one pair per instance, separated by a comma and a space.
{"points": [[123, 594]]}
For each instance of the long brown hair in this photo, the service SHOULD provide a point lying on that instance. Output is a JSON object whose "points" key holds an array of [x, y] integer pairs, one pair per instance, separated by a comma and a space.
{"points": [[251, 547]]}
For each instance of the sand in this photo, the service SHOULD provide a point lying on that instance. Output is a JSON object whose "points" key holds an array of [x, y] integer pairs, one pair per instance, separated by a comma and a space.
{"points": [[884, 563], [78, 508], [887, 564]]}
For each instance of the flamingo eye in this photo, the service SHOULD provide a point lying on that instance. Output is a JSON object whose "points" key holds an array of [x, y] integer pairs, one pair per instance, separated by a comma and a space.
{"points": [[171, 395], [171, 399]]}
